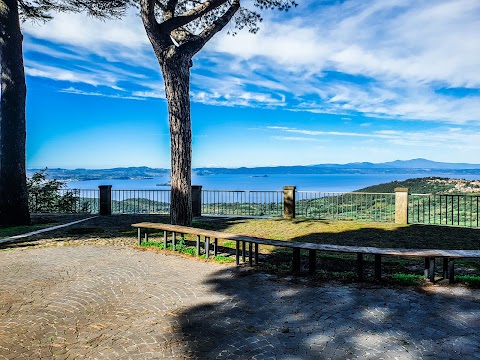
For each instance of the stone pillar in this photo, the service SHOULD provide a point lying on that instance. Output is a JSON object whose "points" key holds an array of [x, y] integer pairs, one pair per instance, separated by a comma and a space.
{"points": [[105, 199], [289, 202], [401, 206], [196, 200]]}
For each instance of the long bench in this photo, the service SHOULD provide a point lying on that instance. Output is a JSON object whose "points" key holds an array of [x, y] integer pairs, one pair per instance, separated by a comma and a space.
{"points": [[448, 256]]}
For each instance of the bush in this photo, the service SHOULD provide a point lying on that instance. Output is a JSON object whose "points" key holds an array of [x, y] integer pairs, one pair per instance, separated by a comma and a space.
{"points": [[47, 196]]}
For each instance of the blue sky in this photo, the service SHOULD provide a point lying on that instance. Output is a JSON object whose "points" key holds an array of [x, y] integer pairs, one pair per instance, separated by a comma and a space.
{"points": [[328, 82]]}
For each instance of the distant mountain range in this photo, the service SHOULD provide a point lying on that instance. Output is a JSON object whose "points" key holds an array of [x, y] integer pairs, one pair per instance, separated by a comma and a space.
{"points": [[414, 166]]}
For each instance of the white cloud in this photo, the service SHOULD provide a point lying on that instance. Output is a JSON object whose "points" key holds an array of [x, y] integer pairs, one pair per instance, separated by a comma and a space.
{"points": [[86, 77], [458, 139], [293, 138], [90, 33], [72, 90], [393, 56]]}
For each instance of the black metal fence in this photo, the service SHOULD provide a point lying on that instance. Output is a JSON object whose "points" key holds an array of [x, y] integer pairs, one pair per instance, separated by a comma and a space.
{"points": [[444, 209], [141, 201], [439, 209], [242, 203], [379, 207], [79, 201]]}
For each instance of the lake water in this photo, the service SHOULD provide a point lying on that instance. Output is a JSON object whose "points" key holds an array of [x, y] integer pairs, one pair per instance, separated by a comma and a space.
{"points": [[320, 182]]}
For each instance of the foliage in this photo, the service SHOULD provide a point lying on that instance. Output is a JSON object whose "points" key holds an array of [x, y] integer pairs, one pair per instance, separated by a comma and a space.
{"points": [[224, 259], [470, 280], [40, 10], [406, 279], [425, 185], [48, 195]]}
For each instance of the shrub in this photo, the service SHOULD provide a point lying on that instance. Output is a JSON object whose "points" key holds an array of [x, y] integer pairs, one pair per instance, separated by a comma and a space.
{"points": [[46, 196]]}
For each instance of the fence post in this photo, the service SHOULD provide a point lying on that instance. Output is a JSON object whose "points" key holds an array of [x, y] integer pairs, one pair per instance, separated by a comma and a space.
{"points": [[105, 199], [401, 205], [289, 202], [196, 200]]}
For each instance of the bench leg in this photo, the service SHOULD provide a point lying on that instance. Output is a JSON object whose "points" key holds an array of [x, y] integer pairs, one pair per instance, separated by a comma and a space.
{"points": [[237, 252], [146, 235], [312, 261], [198, 245], [451, 271], [215, 247], [250, 254], [445, 268], [139, 232], [378, 267], [207, 247], [431, 270], [426, 268], [174, 235], [296, 260], [165, 240], [360, 267], [243, 251], [256, 254]]}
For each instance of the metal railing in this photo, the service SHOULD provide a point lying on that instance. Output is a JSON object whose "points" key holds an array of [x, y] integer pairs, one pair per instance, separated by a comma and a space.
{"points": [[242, 203], [439, 209], [79, 201], [379, 207], [140, 201], [444, 209]]}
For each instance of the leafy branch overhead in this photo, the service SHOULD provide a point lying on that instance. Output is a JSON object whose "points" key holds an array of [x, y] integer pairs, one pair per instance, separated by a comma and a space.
{"points": [[189, 24], [42, 9]]}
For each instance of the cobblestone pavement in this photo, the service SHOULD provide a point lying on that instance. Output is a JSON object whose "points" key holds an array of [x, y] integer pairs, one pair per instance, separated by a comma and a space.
{"points": [[111, 302]]}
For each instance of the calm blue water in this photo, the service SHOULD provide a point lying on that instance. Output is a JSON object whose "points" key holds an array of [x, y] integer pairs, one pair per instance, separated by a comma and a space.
{"points": [[320, 182]]}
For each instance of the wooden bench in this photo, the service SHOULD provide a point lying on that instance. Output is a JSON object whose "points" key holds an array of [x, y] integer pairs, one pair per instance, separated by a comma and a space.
{"points": [[448, 256]]}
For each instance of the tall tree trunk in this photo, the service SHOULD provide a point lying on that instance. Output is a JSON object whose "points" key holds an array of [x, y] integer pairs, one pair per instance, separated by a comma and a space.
{"points": [[176, 75], [13, 187]]}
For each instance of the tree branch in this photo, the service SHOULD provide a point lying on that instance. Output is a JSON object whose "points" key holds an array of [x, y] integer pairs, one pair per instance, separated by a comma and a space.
{"points": [[171, 5], [200, 41], [159, 39], [198, 11]]}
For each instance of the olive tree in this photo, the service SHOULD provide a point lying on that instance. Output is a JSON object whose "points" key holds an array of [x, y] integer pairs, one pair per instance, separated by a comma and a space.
{"points": [[13, 187], [177, 30]]}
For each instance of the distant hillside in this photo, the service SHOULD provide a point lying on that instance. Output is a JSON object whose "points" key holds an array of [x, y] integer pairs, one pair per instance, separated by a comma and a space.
{"points": [[103, 174], [414, 166], [428, 185]]}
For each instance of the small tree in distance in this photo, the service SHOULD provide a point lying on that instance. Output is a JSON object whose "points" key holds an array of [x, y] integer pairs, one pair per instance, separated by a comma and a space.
{"points": [[177, 30], [50, 195]]}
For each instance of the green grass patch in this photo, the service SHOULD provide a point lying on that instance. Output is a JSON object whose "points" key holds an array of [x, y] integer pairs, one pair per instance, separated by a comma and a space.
{"points": [[224, 259], [406, 279], [470, 280], [189, 250], [153, 244]]}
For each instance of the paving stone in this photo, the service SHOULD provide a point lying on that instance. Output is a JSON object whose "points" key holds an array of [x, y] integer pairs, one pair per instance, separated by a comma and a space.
{"points": [[113, 302]]}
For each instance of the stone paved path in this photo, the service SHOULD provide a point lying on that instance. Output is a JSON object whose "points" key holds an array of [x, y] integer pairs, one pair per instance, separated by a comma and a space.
{"points": [[98, 302]]}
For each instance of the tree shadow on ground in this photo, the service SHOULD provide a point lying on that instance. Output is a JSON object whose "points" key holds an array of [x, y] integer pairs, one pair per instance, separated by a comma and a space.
{"points": [[263, 317]]}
